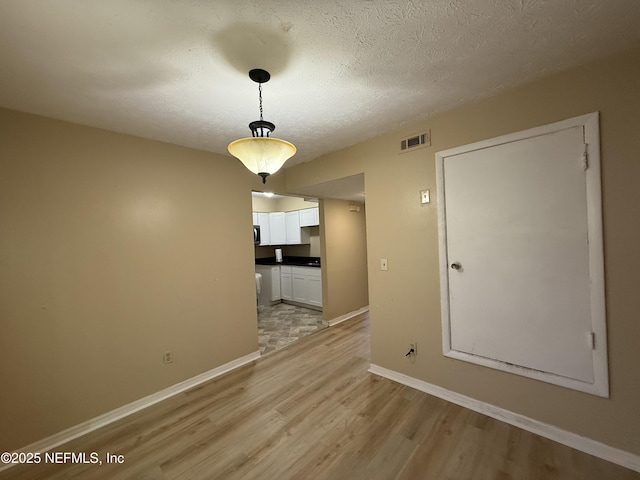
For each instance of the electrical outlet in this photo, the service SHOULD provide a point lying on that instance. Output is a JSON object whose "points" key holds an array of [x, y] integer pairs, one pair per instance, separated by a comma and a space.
{"points": [[413, 350], [167, 357]]}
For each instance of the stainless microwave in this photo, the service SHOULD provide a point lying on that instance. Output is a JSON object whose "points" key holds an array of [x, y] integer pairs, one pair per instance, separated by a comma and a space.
{"points": [[256, 234]]}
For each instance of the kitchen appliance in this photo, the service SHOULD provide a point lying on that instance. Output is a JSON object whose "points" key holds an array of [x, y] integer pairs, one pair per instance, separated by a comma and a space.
{"points": [[256, 234], [258, 286]]}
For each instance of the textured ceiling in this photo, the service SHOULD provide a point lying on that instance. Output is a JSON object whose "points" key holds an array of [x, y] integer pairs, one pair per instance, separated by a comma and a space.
{"points": [[342, 71]]}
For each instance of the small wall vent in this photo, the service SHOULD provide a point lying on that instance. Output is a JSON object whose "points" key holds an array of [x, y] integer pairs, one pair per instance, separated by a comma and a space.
{"points": [[415, 141]]}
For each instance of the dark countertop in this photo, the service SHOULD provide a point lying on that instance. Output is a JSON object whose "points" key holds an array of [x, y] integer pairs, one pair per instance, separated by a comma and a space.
{"points": [[293, 261]]}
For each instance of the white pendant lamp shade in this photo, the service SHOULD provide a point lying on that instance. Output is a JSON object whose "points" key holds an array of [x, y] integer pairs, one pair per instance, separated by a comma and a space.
{"points": [[262, 155]]}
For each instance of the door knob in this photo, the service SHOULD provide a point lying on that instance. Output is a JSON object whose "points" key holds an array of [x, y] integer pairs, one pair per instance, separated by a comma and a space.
{"points": [[456, 266]]}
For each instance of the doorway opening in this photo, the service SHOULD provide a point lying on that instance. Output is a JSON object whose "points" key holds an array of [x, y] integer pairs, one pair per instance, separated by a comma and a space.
{"points": [[288, 268], [325, 267]]}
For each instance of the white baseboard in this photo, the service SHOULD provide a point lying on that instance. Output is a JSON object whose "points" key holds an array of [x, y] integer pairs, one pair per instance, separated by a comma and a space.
{"points": [[347, 316], [83, 428], [573, 440]]}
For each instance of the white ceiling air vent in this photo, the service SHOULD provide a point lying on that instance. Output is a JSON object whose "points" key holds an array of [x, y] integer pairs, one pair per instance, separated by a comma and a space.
{"points": [[414, 141]]}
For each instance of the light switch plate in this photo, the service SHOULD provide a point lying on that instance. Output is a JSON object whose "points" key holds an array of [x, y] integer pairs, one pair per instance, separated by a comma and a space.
{"points": [[383, 264], [424, 196]]}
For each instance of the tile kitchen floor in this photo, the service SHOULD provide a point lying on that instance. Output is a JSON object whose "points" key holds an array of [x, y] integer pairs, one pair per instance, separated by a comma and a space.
{"points": [[281, 324]]}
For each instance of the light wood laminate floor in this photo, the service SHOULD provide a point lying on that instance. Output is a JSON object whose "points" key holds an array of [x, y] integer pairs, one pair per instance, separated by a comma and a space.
{"points": [[312, 411]]}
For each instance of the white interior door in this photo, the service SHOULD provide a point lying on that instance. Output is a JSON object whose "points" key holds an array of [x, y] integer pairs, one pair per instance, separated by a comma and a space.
{"points": [[516, 263]]}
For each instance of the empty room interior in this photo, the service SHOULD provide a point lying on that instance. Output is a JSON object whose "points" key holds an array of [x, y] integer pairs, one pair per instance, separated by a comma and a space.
{"points": [[442, 280]]}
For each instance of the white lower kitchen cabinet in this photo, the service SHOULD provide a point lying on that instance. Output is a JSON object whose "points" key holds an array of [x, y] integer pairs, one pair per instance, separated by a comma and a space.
{"points": [[286, 286], [299, 283], [314, 290], [307, 285]]}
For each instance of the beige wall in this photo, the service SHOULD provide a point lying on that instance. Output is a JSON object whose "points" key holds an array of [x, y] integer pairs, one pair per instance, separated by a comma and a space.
{"points": [[288, 204], [405, 299], [112, 250], [262, 204], [280, 204], [344, 257], [311, 249]]}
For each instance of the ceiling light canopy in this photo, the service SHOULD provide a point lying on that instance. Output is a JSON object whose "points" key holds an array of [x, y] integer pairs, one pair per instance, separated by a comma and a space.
{"points": [[261, 153]]}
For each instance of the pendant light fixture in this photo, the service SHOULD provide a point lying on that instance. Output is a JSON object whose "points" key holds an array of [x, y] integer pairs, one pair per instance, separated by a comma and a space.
{"points": [[261, 153]]}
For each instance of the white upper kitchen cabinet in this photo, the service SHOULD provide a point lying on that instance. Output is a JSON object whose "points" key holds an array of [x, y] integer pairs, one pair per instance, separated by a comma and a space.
{"points": [[292, 223], [309, 217], [265, 228], [278, 232], [295, 234]]}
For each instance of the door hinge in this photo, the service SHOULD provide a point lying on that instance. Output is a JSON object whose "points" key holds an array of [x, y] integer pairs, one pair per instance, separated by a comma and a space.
{"points": [[592, 340], [585, 157]]}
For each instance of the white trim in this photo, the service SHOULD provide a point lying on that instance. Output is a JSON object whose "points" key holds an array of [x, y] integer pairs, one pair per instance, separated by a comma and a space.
{"points": [[573, 440], [590, 125], [100, 421], [347, 316]]}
